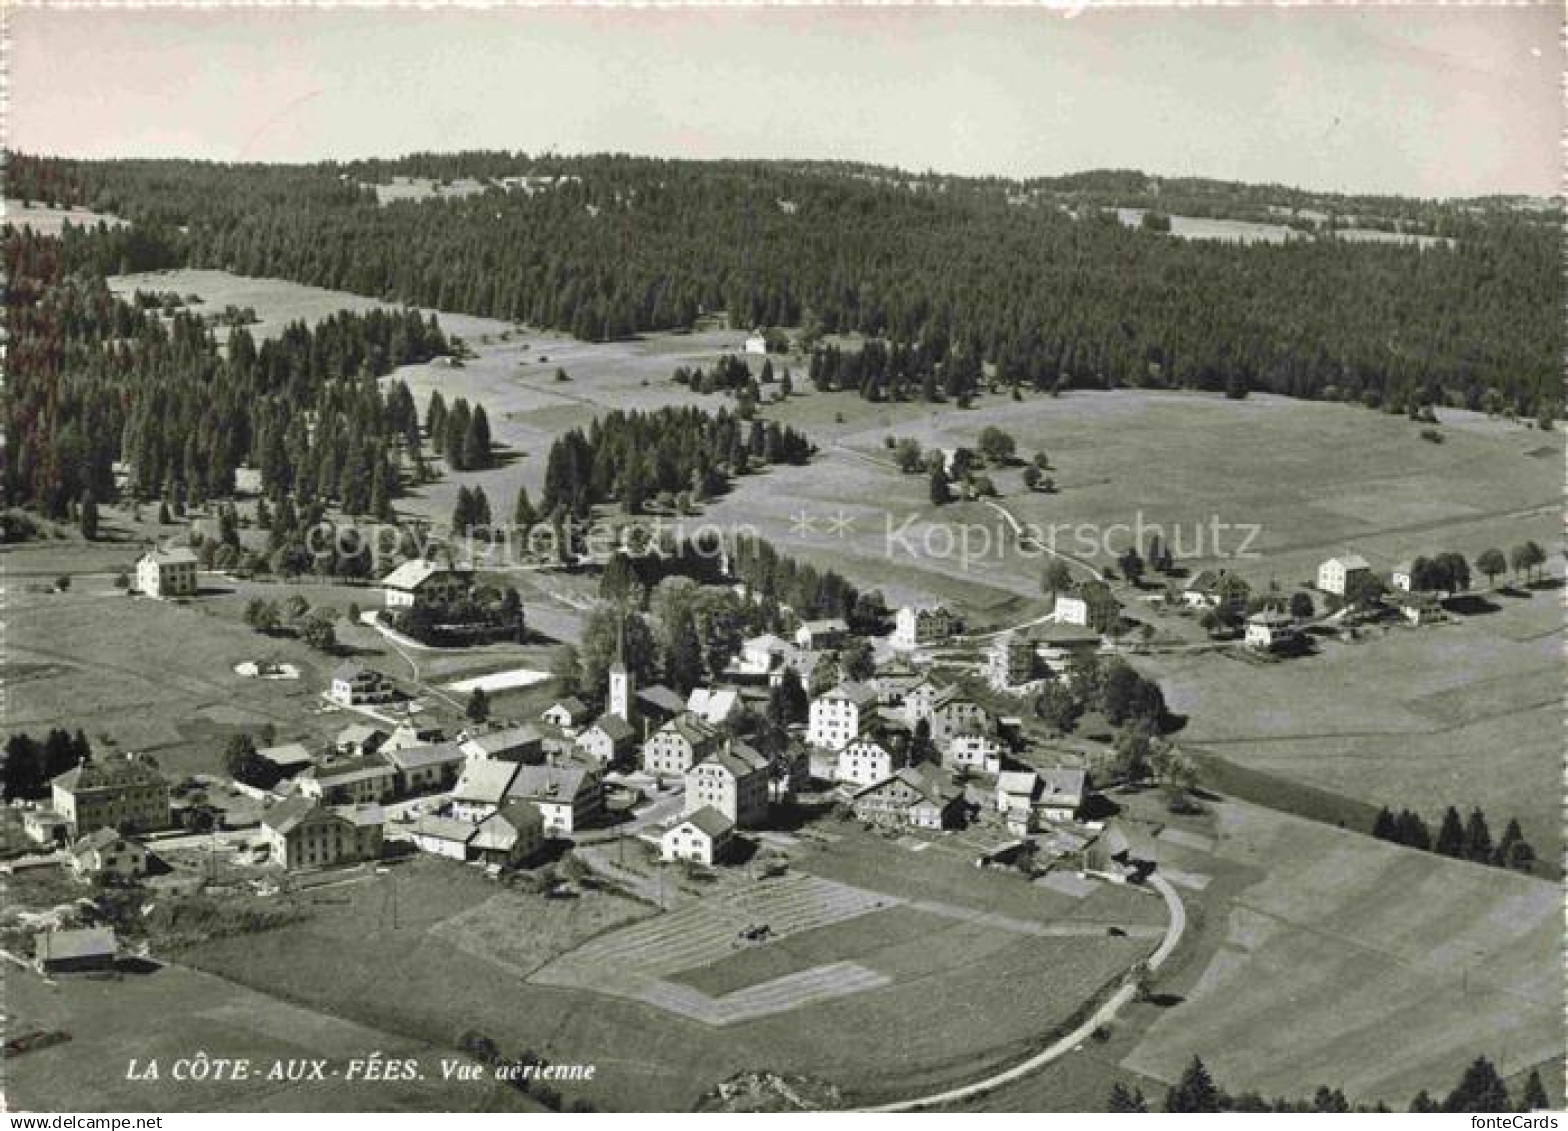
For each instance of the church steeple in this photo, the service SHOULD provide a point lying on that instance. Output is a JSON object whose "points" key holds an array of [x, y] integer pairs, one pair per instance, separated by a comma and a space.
{"points": [[620, 698]]}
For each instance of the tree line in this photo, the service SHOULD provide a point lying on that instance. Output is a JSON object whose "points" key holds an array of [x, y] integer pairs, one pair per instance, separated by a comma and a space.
{"points": [[1481, 1088], [32, 763], [1463, 839], [1038, 281]]}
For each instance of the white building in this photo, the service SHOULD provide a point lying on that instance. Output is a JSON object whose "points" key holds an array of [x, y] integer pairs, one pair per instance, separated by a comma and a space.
{"points": [[1400, 577], [353, 685], [701, 838], [828, 633], [1340, 575], [915, 626], [166, 573], [865, 761], [837, 715], [757, 344], [1071, 609], [420, 582], [1269, 629]]}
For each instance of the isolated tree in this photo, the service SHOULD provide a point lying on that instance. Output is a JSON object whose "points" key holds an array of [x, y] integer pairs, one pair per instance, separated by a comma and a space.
{"points": [[1031, 476], [89, 517], [477, 709], [1526, 558], [319, 633], [997, 446], [1535, 1097], [261, 615], [907, 455], [941, 493], [523, 514], [1131, 565], [1481, 1089], [1057, 578], [1126, 1099], [1493, 563]]}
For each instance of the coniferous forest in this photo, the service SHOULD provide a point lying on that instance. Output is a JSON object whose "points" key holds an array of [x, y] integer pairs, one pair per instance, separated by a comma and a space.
{"points": [[1037, 280]]}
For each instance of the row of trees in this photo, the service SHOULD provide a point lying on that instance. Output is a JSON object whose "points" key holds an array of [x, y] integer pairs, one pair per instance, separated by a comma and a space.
{"points": [[1481, 1089], [1032, 284], [1456, 837], [31, 763]]}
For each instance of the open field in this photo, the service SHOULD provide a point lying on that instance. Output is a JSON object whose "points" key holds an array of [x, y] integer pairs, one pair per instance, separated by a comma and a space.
{"points": [[1464, 713], [964, 997], [1359, 964], [48, 221], [277, 302], [171, 1013], [157, 677]]}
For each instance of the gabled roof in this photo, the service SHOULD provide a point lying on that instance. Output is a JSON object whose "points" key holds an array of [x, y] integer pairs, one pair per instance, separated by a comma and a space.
{"points": [[767, 641], [860, 694], [1350, 561], [737, 758], [1063, 781], [615, 728], [938, 793], [434, 754], [713, 704], [498, 832], [283, 817], [170, 557], [361, 815], [357, 734], [485, 781], [286, 754], [494, 742], [827, 624], [349, 673], [412, 574], [662, 698], [444, 828], [350, 769], [1203, 582], [118, 774], [549, 783], [1021, 782], [85, 942], [690, 727], [574, 707], [1271, 618], [100, 841], [707, 820]]}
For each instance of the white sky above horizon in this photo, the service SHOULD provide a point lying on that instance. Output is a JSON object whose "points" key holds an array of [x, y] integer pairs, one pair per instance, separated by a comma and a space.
{"points": [[1415, 100]]}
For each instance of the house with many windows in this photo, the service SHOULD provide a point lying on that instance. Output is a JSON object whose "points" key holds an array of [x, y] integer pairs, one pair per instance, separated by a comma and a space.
{"points": [[425, 583], [837, 715], [301, 833], [116, 793], [678, 745], [166, 573], [702, 837], [733, 780]]}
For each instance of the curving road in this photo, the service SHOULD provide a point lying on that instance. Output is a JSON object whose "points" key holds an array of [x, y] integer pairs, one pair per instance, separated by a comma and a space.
{"points": [[1107, 1013]]}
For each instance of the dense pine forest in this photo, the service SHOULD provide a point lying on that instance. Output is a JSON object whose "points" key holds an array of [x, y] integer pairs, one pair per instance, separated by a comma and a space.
{"points": [[96, 380], [1037, 280]]}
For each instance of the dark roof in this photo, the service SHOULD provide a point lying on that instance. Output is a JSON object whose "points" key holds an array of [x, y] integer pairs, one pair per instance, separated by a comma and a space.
{"points": [[662, 698], [118, 774], [85, 942], [709, 820]]}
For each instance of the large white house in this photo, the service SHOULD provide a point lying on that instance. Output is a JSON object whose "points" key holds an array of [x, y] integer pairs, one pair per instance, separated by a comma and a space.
{"points": [[865, 761], [166, 573], [1339, 575], [914, 626], [700, 837], [1268, 629], [420, 582], [353, 685], [838, 714]]}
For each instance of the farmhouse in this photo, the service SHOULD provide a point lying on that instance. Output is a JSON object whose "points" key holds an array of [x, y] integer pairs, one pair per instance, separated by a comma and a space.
{"points": [[659, 704], [423, 583], [569, 798], [920, 700], [608, 740], [894, 680], [108, 854], [1090, 605], [760, 654], [915, 626], [1070, 608], [566, 715], [481, 789], [973, 750], [442, 836], [865, 761], [1202, 590], [509, 744], [511, 835], [166, 573], [1340, 575], [954, 713], [1417, 608], [715, 706], [289, 758], [349, 781], [409, 733], [733, 781], [819, 634], [756, 344], [419, 769], [302, 833], [909, 798], [837, 715], [76, 951], [1401, 577], [354, 686], [1269, 629], [678, 745], [702, 837], [124, 793], [1028, 798]]}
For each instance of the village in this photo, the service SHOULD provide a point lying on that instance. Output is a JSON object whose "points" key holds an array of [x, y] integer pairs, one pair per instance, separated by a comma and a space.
{"points": [[905, 749]]}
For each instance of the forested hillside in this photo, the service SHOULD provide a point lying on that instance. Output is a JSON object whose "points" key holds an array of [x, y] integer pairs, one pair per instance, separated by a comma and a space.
{"points": [[1035, 278]]}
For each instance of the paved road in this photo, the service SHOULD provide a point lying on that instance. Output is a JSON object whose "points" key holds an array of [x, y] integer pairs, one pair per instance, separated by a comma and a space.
{"points": [[1107, 1013]]}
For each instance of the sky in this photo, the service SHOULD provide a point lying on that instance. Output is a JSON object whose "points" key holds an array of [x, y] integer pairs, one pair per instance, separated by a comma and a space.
{"points": [[1416, 100]]}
